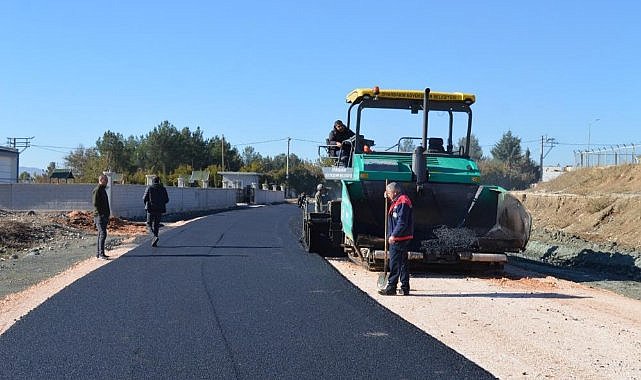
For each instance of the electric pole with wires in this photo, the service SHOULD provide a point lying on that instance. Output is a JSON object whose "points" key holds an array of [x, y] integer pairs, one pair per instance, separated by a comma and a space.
{"points": [[546, 142], [21, 143]]}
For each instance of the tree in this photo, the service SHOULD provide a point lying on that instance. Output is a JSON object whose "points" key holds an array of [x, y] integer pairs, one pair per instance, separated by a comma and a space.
{"points": [[250, 155], [280, 161], [217, 150], [112, 147], [304, 177], [193, 148], [508, 149], [254, 166], [407, 145], [86, 164], [181, 171], [50, 168], [25, 177], [476, 153], [509, 168], [161, 148], [213, 176], [529, 170]]}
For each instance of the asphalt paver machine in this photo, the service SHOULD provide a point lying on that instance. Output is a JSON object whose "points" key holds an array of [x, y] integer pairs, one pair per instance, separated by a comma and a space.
{"points": [[457, 220]]}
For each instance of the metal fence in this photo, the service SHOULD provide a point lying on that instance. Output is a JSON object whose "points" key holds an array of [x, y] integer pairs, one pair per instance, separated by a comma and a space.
{"points": [[619, 154]]}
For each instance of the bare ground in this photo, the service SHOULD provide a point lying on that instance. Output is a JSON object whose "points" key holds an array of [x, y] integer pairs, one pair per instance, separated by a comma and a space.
{"points": [[523, 325]]}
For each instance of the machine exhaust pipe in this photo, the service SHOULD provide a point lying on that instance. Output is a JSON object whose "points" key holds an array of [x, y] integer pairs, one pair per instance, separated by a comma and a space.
{"points": [[419, 167]]}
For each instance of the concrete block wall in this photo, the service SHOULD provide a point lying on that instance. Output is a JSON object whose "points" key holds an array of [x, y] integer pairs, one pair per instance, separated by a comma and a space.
{"points": [[267, 196], [126, 200], [6, 198], [43, 196]]}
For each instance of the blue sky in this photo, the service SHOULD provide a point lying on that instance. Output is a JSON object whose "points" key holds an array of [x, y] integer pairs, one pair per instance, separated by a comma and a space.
{"points": [[257, 71]]}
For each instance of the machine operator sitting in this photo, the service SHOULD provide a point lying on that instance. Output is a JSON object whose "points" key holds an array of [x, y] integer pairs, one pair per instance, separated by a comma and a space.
{"points": [[335, 142]]}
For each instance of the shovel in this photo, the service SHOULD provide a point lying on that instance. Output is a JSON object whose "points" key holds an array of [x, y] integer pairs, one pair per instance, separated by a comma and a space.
{"points": [[383, 277]]}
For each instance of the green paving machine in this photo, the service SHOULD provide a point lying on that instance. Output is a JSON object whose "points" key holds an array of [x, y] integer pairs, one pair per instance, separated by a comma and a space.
{"points": [[456, 219]]}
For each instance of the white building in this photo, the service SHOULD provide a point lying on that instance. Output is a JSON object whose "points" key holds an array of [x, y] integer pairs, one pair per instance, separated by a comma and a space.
{"points": [[239, 180], [8, 164], [551, 172]]}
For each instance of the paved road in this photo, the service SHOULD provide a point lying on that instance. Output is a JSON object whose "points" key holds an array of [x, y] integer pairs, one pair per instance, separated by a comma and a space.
{"points": [[232, 296]]}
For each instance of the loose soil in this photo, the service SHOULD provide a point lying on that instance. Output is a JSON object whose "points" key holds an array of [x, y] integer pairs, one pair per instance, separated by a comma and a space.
{"points": [[35, 246], [588, 221]]}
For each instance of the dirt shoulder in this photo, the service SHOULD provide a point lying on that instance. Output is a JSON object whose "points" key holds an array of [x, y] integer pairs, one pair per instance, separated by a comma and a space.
{"points": [[588, 221], [523, 325], [35, 246]]}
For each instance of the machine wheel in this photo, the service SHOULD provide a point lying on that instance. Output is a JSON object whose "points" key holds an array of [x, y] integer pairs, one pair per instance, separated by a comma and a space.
{"points": [[312, 239]]}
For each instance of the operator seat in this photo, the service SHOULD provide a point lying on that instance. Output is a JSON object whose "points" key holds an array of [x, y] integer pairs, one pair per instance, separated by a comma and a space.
{"points": [[435, 145]]}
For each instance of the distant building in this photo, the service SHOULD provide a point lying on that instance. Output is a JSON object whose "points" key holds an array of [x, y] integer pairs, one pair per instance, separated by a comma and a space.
{"points": [[551, 172], [9, 158], [200, 177], [59, 174], [239, 180]]}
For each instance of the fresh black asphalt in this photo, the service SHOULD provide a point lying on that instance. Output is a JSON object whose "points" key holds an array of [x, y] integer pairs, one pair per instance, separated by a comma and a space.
{"points": [[231, 296]]}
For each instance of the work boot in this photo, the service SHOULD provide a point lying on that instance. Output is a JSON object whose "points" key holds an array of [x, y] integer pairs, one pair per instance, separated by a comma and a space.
{"points": [[404, 292], [387, 292]]}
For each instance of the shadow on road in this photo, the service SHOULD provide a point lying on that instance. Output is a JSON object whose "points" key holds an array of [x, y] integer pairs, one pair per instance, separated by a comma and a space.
{"points": [[500, 295], [218, 246], [164, 256]]}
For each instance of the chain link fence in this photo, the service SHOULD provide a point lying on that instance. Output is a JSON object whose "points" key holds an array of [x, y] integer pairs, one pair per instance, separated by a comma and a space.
{"points": [[619, 154]]}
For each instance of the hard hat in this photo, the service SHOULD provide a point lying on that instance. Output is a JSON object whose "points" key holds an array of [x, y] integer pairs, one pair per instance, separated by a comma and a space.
{"points": [[319, 187]]}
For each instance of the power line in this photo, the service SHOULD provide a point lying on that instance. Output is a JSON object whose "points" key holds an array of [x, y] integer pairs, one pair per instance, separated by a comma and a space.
{"points": [[261, 142], [55, 147], [309, 141], [53, 150]]}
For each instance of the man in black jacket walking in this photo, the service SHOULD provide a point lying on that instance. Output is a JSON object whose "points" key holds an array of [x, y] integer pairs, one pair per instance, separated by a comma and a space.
{"points": [[101, 214], [155, 199]]}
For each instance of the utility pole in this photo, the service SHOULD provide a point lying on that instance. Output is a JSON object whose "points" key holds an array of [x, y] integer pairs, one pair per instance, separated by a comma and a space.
{"points": [[222, 154], [19, 142], [587, 152], [546, 142], [287, 169]]}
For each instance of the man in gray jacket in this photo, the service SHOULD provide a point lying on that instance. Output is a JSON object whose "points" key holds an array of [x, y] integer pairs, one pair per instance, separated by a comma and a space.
{"points": [[155, 199]]}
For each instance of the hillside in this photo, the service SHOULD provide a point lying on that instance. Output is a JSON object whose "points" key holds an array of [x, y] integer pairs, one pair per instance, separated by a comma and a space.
{"points": [[598, 205]]}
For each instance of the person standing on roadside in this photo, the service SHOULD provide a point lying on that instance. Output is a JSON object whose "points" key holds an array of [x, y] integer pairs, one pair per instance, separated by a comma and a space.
{"points": [[321, 197], [400, 232], [101, 214], [155, 199]]}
